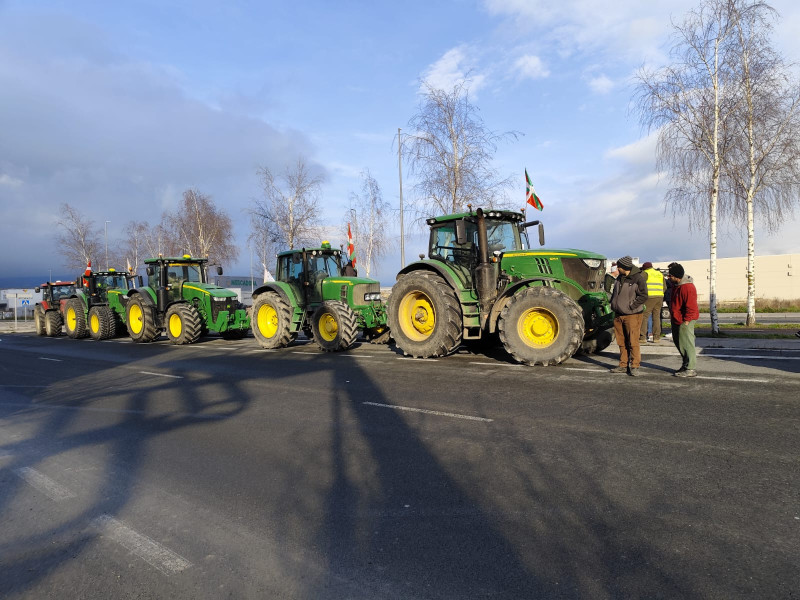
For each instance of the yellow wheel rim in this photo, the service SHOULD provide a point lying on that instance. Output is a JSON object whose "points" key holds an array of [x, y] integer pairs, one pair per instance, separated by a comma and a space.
{"points": [[328, 327], [417, 316], [267, 320], [537, 327], [175, 325], [135, 318], [94, 323], [72, 319]]}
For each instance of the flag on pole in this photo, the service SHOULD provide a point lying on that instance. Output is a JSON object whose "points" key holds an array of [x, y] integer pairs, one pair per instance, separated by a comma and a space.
{"points": [[530, 194], [351, 249]]}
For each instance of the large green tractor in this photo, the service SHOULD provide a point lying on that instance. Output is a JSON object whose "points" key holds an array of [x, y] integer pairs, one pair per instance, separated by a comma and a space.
{"points": [[179, 299], [96, 309], [312, 295], [482, 280]]}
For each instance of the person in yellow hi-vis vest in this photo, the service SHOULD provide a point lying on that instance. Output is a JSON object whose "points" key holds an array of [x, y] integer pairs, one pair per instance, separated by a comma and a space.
{"points": [[655, 298]]}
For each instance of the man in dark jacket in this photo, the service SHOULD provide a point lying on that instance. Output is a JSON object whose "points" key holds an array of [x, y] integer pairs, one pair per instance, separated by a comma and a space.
{"points": [[683, 314], [627, 302]]}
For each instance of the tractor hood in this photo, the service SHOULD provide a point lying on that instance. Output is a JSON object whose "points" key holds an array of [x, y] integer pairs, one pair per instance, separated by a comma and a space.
{"points": [[209, 288], [555, 252]]}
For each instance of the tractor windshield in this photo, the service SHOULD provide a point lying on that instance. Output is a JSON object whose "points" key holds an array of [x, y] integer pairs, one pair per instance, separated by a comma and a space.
{"points": [[115, 280], [502, 235], [62, 291], [323, 264], [181, 272]]}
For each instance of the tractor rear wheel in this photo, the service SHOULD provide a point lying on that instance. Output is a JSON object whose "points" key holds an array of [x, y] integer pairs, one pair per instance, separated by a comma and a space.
{"points": [[52, 323], [425, 316], [272, 319], [541, 326], [141, 320], [184, 324], [74, 318], [334, 326], [101, 323], [38, 320]]}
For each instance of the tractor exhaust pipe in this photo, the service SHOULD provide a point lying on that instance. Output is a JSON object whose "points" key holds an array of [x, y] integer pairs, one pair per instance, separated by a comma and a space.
{"points": [[485, 278]]}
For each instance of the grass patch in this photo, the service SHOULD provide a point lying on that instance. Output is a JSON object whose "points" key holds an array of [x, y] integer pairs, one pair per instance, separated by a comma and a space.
{"points": [[763, 305]]}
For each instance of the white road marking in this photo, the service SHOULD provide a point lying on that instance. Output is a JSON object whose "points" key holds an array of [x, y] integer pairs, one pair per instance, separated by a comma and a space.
{"points": [[222, 348], [584, 370], [726, 379], [161, 375], [51, 359], [749, 356], [415, 358], [150, 551], [51, 489], [497, 364], [359, 355], [429, 412], [314, 353]]}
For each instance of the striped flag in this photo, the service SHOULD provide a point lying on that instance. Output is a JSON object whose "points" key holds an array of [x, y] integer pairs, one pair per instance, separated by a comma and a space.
{"points": [[351, 249], [530, 194]]}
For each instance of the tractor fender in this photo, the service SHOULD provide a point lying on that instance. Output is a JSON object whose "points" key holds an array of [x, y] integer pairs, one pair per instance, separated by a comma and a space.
{"points": [[570, 289], [148, 295], [434, 266]]}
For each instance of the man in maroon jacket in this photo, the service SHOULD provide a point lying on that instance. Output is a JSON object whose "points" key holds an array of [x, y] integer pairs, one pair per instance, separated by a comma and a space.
{"points": [[683, 314]]}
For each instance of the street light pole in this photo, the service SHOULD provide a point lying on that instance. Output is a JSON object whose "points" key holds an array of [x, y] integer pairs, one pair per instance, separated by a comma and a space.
{"points": [[107, 222], [400, 174]]}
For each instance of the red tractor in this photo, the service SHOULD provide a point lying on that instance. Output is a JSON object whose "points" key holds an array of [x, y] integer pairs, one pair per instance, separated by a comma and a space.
{"points": [[47, 315]]}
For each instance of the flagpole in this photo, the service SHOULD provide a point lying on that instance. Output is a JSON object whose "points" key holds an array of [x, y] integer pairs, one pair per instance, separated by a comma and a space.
{"points": [[400, 173]]}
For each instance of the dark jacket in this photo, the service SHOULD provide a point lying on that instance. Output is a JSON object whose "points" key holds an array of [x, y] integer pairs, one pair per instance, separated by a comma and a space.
{"points": [[683, 302], [629, 293]]}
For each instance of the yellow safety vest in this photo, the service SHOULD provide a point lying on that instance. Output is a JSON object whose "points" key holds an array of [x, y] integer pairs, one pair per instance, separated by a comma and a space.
{"points": [[655, 283]]}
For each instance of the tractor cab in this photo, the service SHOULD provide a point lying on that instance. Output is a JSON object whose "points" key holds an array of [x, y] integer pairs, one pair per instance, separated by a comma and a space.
{"points": [[97, 283], [54, 292], [169, 275], [305, 270]]}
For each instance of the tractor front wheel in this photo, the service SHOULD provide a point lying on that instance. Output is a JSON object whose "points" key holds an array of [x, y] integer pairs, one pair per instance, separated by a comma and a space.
{"points": [[541, 325], [101, 323], [271, 323], [141, 320], [74, 318], [425, 316], [52, 323], [334, 326], [184, 324], [38, 320]]}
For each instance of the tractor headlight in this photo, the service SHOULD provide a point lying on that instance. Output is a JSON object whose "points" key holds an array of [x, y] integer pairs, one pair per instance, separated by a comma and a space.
{"points": [[592, 263], [372, 297]]}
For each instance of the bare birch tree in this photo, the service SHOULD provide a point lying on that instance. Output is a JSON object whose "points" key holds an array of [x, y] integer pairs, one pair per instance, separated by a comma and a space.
{"points": [[289, 210], [201, 229], [690, 102], [368, 215], [132, 249], [260, 242], [450, 150], [764, 165], [79, 239]]}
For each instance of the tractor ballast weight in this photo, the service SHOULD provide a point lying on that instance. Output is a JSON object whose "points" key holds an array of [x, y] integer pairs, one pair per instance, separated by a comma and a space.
{"points": [[48, 316], [482, 279], [312, 295], [95, 309], [179, 300]]}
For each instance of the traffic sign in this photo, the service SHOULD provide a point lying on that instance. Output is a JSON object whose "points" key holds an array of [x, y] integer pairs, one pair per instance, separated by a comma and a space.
{"points": [[26, 303]]}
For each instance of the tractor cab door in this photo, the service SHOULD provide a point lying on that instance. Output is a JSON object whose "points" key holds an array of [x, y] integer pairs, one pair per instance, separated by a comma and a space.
{"points": [[290, 270], [321, 265]]}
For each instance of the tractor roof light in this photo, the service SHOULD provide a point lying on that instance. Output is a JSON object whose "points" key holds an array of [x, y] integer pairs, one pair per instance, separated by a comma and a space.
{"points": [[326, 244], [431, 221]]}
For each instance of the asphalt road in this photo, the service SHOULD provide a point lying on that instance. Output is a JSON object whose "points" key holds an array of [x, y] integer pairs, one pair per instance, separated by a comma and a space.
{"points": [[221, 470]]}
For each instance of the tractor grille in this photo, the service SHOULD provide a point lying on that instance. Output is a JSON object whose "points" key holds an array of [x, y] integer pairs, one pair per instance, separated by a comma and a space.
{"points": [[544, 266], [217, 306], [589, 279], [364, 288]]}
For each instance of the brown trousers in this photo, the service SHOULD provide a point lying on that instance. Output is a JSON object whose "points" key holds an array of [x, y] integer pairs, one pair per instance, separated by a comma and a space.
{"points": [[652, 306], [626, 330]]}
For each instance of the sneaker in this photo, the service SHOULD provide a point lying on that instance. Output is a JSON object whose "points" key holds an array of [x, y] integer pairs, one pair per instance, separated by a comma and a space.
{"points": [[681, 370], [657, 341], [635, 372], [686, 373], [649, 338], [618, 370]]}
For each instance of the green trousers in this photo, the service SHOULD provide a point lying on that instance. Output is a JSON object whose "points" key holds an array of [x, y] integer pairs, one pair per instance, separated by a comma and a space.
{"points": [[683, 337]]}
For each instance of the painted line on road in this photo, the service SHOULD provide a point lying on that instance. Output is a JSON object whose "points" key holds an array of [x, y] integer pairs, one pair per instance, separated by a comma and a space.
{"points": [[303, 352], [415, 358], [497, 364], [585, 370], [161, 375], [749, 356], [222, 348], [358, 355], [51, 489], [729, 379], [429, 412], [51, 359], [149, 550]]}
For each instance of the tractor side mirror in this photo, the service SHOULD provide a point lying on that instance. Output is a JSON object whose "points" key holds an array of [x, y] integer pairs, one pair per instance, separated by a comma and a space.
{"points": [[608, 282], [541, 234], [150, 271], [141, 281], [219, 270], [461, 232], [37, 290]]}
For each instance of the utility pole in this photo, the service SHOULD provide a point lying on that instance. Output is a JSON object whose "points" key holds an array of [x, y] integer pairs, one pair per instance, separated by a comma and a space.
{"points": [[400, 173], [107, 222]]}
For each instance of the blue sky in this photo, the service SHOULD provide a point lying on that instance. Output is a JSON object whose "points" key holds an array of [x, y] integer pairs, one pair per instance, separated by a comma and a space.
{"points": [[116, 108]]}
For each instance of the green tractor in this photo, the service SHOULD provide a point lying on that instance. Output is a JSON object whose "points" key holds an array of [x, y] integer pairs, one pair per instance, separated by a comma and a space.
{"points": [[482, 280], [179, 299], [96, 309], [312, 294]]}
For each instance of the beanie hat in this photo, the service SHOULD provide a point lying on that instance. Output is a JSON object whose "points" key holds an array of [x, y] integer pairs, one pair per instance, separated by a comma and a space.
{"points": [[626, 262], [676, 270], [647, 265]]}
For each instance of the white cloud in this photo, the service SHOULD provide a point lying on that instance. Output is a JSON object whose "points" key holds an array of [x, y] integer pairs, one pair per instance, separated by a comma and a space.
{"points": [[530, 67], [601, 84], [10, 181], [452, 68]]}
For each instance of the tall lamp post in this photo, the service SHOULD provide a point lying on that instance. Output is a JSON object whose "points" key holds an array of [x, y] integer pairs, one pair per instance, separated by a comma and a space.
{"points": [[400, 174], [107, 222]]}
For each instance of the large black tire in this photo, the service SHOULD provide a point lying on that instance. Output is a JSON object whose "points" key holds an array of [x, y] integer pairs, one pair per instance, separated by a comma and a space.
{"points": [[52, 323], [141, 320], [74, 318], [425, 315], [541, 326], [184, 324], [272, 320], [598, 342], [102, 325], [38, 320], [234, 334], [334, 326]]}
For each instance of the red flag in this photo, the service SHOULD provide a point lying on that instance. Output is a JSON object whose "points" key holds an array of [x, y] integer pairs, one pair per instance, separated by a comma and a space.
{"points": [[351, 249], [530, 194]]}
